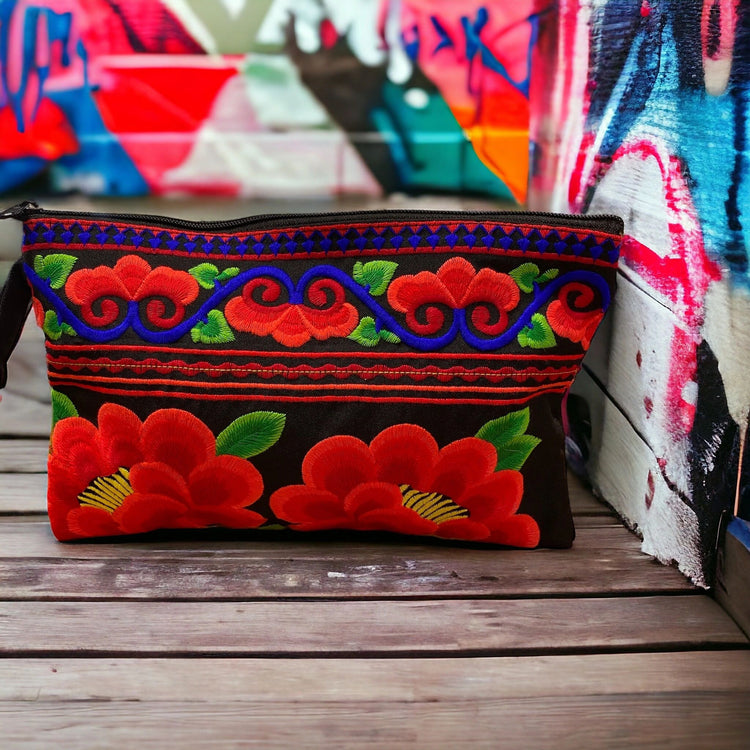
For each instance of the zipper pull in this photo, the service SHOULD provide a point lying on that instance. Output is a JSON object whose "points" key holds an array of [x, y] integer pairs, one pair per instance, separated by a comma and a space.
{"points": [[20, 210]]}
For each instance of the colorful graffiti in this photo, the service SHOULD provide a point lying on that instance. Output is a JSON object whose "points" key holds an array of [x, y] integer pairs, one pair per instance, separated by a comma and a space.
{"points": [[275, 98], [652, 100]]}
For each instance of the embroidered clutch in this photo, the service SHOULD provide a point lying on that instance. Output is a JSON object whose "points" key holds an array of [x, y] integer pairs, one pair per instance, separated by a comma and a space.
{"points": [[390, 371]]}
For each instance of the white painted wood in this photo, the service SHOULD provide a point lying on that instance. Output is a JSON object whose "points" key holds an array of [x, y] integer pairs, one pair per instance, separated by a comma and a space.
{"points": [[620, 467]]}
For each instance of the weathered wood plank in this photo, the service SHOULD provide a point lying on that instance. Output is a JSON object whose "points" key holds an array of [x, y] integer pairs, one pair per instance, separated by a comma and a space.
{"points": [[25, 455], [733, 578], [457, 679], [27, 368], [583, 502], [23, 493], [366, 627], [684, 719], [603, 560], [31, 537], [24, 416]]}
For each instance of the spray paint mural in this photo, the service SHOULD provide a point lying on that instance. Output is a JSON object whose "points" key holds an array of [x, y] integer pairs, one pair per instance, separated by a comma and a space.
{"points": [[649, 120], [271, 97]]}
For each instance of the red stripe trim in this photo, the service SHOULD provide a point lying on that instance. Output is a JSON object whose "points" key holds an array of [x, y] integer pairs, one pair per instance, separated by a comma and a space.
{"points": [[279, 398], [77, 377], [310, 355], [306, 371], [235, 257]]}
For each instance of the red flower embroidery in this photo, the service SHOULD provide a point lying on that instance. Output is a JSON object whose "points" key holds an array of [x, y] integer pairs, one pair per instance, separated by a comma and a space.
{"points": [[132, 278], [403, 482], [126, 476], [457, 284], [327, 315], [574, 324]]}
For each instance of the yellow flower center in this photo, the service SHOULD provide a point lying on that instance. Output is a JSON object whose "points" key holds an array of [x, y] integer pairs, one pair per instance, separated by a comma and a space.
{"points": [[107, 493], [431, 505]]}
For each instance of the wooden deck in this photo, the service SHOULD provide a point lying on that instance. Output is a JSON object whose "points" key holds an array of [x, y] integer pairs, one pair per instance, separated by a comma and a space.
{"points": [[238, 643]]}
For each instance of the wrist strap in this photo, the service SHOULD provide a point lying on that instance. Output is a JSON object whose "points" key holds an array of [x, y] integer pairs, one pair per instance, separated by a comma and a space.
{"points": [[15, 303]]}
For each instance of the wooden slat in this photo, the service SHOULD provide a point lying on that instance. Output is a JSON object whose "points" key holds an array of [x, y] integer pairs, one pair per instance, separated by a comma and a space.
{"points": [[452, 679], [24, 416], [694, 720], [733, 579], [366, 627], [30, 537], [603, 560], [26, 455], [23, 493], [583, 502]]}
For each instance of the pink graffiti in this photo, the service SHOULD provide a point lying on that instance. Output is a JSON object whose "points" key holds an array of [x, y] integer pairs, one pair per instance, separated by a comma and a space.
{"points": [[718, 22], [682, 275]]}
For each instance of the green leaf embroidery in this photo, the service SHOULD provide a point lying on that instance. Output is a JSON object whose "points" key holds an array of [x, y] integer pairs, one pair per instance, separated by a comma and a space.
{"points": [[508, 435], [527, 274], [515, 452], [205, 274], [505, 428], [366, 333], [548, 275], [389, 336], [539, 335], [53, 328], [62, 407], [227, 273], [215, 331], [250, 435], [376, 274], [54, 268]]}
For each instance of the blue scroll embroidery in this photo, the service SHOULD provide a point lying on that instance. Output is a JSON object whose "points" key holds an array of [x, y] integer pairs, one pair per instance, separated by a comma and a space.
{"points": [[384, 319]]}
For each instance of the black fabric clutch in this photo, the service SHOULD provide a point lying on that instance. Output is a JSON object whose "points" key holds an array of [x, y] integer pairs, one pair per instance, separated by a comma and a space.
{"points": [[370, 371]]}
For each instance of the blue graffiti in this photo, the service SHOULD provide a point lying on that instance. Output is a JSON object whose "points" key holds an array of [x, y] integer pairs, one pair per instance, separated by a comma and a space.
{"points": [[34, 60], [649, 78], [476, 49]]}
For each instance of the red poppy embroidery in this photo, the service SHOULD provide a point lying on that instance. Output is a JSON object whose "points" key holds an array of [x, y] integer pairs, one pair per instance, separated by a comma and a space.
{"points": [[327, 315], [403, 482], [457, 284], [125, 476], [132, 278], [574, 324]]}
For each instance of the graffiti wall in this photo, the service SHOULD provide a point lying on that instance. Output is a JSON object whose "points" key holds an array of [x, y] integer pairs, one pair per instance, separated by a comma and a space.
{"points": [[267, 97], [648, 119]]}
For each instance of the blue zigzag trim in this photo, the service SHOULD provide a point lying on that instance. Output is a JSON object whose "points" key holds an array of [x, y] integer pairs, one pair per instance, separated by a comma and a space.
{"points": [[293, 243], [383, 318]]}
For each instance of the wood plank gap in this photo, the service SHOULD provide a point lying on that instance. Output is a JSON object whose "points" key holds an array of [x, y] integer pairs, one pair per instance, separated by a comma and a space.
{"points": [[519, 653], [645, 594]]}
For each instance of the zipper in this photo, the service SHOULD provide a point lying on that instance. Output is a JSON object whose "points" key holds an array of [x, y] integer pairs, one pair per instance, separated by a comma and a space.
{"points": [[20, 211], [603, 222]]}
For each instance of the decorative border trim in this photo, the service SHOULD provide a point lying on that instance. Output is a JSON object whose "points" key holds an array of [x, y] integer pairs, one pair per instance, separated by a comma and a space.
{"points": [[459, 325], [351, 371], [459, 357], [443, 399], [323, 241]]}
